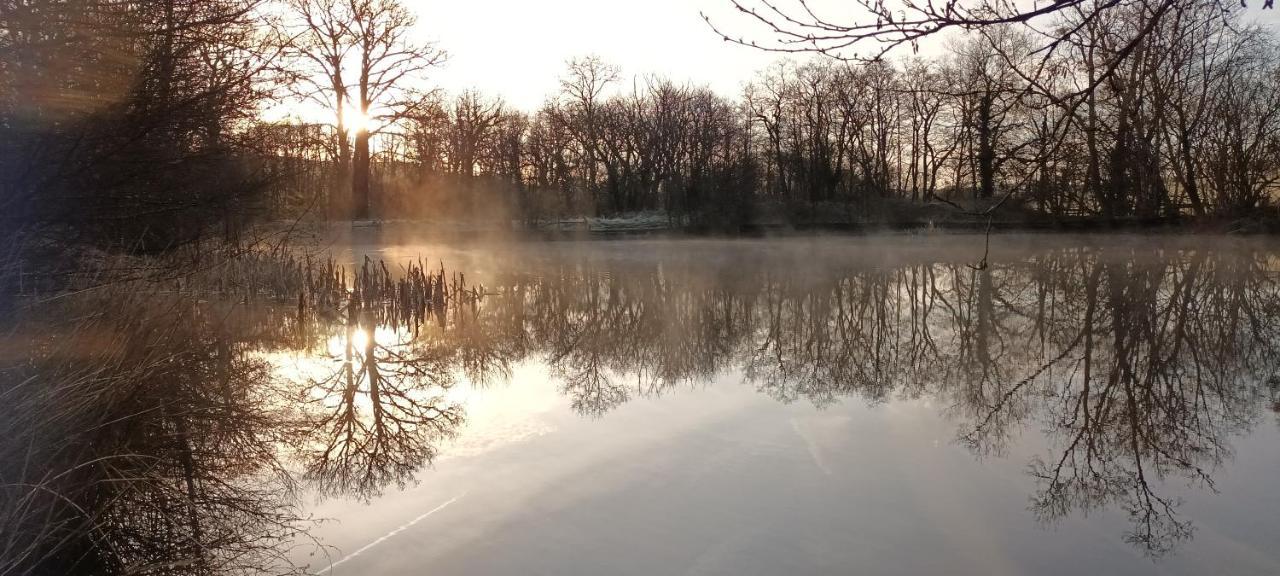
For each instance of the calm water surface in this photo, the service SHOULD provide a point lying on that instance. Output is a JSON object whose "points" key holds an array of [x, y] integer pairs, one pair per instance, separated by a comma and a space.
{"points": [[816, 406], [871, 405]]}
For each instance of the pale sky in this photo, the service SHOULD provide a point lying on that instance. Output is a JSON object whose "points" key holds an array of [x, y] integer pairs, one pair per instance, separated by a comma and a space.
{"points": [[518, 48]]}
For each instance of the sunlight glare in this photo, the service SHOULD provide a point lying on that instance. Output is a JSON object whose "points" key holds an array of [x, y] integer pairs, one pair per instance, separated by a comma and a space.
{"points": [[356, 120], [360, 339], [337, 343]]}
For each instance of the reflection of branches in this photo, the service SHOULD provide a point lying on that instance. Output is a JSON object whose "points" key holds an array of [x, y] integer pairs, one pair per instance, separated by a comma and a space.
{"points": [[140, 440], [378, 423], [592, 392], [978, 436], [1137, 372], [482, 352], [1160, 407]]}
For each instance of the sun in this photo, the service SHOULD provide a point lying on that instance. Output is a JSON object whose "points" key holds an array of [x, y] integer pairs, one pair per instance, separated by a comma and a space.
{"points": [[355, 120], [360, 339]]}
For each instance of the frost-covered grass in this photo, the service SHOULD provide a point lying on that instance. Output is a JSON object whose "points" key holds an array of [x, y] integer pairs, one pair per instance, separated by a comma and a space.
{"points": [[636, 222]]}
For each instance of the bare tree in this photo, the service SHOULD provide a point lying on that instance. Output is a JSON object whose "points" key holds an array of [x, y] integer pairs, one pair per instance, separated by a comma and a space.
{"points": [[321, 40], [114, 125], [389, 66], [475, 121], [881, 26], [582, 88], [360, 60]]}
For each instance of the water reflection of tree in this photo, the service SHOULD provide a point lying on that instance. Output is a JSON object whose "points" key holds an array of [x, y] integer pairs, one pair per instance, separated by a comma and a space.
{"points": [[139, 446], [1140, 366], [376, 419], [1170, 363], [149, 433]]}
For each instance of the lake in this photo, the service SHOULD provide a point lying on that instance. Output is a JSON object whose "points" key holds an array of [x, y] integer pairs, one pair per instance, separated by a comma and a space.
{"points": [[900, 404]]}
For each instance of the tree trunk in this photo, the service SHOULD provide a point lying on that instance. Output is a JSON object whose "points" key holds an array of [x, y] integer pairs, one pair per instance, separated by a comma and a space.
{"points": [[1093, 172], [986, 149], [360, 177], [1189, 177], [342, 175], [1115, 204]]}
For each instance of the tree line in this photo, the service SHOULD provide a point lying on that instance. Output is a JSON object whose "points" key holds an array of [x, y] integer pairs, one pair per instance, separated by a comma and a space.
{"points": [[140, 125], [121, 122], [1186, 124]]}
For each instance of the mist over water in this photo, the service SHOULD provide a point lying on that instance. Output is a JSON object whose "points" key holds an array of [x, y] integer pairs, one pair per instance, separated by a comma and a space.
{"points": [[279, 297], [793, 405], [909, 404]]}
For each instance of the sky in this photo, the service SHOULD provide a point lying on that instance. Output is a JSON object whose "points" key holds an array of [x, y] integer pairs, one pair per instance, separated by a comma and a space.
{"points": [[517, 48]]}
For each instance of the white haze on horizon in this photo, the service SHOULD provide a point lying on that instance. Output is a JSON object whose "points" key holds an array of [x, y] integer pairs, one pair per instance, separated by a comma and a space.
{"points": [[517, 49]]}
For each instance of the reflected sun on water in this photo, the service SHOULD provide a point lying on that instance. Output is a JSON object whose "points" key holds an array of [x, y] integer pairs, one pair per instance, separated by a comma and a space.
{"points": [[1114, 403]]}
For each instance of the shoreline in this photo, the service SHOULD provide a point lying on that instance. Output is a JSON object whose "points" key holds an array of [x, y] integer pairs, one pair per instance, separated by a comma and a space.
{"points": [[587, 231]]}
